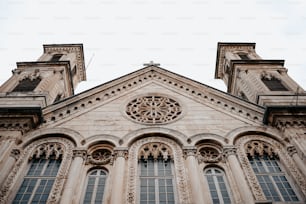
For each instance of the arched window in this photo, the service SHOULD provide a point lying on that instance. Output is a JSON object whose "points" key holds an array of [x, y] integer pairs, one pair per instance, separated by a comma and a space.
{"points": [[38, 182], [156, 175], [268, 171], [218, 186], [95, 186]]}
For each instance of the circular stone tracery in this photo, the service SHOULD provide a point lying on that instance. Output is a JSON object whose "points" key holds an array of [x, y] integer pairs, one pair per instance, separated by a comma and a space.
{"points": [[153, 109]]}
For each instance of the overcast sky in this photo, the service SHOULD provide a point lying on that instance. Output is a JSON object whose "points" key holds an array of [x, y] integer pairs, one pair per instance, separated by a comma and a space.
{"points": [[119, 36]]}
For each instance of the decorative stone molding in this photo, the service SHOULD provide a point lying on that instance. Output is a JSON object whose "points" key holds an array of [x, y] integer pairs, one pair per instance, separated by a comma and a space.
{"points": [[269, 145], [32, 75], [180, 172], [100, 157], [268, 76], [155, 150], [15, 153], [65, 149], [153, 109], [291, 150]]}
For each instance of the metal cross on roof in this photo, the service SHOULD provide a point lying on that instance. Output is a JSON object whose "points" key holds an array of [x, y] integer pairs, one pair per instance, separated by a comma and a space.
{"points": [[151, 64]]}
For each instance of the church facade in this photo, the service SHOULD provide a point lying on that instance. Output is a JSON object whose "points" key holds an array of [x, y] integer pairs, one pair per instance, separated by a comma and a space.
{"points": [[152, 136]]}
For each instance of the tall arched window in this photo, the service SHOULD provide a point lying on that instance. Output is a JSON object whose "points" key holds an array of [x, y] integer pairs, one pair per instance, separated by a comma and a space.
{"points": [[156, 175], [218, 186], [38, 182], [96, 180], [268, 171]]}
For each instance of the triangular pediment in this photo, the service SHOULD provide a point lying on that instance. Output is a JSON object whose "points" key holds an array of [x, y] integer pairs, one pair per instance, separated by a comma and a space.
{"points": [[145, 79]]}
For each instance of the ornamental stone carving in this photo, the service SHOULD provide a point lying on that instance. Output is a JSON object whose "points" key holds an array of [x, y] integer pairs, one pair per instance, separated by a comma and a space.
{"points": [[209, 154], [47, 150], [101, 157], [79, 153], [259, 148], [121, 152], [180, 172], [57, 147], [155, 150], [153, 109]]}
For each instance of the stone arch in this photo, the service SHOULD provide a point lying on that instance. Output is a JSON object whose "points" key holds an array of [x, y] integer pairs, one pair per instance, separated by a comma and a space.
{"points": [[113, 140], [22, 162], [202, 137], [73, 135], [235, 134], [177, 136], [180, 172], [278, 148]]}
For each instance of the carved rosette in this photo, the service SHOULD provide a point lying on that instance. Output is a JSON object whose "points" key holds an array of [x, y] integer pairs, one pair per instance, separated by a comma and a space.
{"points": [[180, 172], [153, 109], [258, 145], [209, 154], [100, 157], [33, 150]]}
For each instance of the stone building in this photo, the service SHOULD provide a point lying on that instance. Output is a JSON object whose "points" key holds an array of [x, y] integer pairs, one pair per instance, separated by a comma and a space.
{"points": [[152, 136]]}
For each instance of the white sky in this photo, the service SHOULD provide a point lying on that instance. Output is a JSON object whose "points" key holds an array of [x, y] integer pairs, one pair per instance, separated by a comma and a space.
{"points": [[181, 35]]}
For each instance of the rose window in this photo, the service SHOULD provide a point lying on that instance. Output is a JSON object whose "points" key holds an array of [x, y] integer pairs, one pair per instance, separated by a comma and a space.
{"points": [[153, 109]]}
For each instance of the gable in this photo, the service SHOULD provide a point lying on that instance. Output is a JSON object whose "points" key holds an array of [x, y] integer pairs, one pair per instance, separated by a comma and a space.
{"points": [[204, 109]]}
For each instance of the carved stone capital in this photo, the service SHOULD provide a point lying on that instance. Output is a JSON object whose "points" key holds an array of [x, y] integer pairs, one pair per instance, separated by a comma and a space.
{"points": [[229, 150], [15, 153], [79, 153], [291, 150], [189, 151], [121, 152]]}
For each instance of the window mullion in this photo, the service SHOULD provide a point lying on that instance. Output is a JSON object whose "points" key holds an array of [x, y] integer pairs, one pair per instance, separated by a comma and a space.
{"points": [[156, 177]]}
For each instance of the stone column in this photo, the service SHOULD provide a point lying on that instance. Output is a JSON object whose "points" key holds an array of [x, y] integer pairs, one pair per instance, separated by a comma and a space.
{"points": [[118, 175], [300, 164], [193, 171], [74, 172], [8, 165], [241, 181]]}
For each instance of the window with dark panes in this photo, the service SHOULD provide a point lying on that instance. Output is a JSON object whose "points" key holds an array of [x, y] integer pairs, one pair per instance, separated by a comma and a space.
{"points": [[274, 84], [217, 185], [94, 193], [38, 182], [243, 56], [27, 85], [56, 57], [156, 181], [272, 178]]}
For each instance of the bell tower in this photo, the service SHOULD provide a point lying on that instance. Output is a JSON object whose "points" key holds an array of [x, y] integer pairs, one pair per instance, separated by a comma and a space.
{"points": [[258, 80], [35, 85]]}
